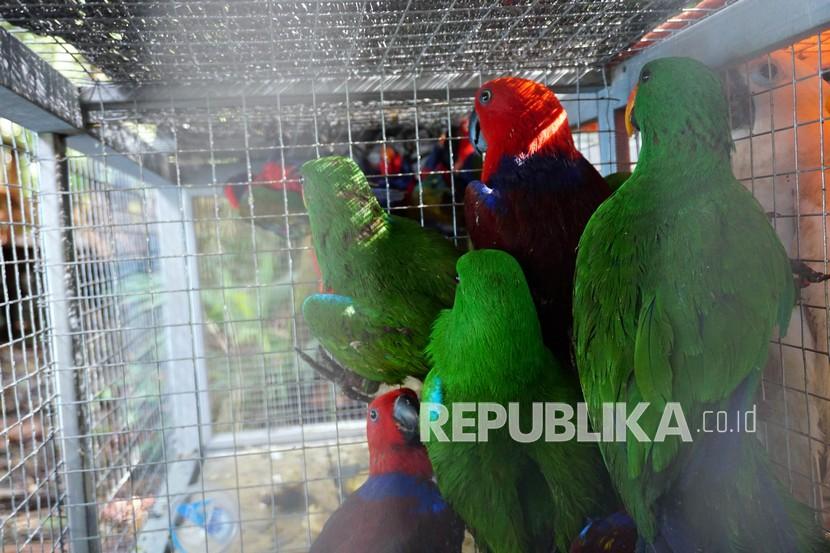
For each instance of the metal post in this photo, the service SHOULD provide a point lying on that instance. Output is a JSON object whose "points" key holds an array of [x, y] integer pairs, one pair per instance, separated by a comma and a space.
{"points": [[606, 124], [183, 320], [57, 249], [184, 371]]}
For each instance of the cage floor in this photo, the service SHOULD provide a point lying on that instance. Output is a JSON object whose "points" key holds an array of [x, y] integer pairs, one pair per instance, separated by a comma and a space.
{"points": [[266, 489]]}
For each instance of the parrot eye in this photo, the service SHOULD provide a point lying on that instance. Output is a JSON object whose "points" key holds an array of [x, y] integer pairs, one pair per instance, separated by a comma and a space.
{"points": [[373, 414], [485, 96], [769, 71], [645, 75]]}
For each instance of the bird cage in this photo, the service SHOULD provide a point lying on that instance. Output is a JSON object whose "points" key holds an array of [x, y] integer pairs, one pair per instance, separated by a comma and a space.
{"points": [[156, 251]]}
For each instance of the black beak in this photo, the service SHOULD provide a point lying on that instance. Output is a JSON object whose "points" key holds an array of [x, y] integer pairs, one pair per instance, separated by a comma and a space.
{"points": [[741, 103], [475, 134], [405, 413]]}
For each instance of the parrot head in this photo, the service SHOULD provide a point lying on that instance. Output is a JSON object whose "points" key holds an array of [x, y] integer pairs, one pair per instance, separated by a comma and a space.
{"points": [[342, 208], [268, 197], [518, 118], [679, 101], [492, 297], [766, 88], [492, 323], [392, 432], [489, 276]]}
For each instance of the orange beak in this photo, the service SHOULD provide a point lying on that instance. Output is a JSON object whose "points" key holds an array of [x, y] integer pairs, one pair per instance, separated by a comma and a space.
{"points": [[629, 110]]}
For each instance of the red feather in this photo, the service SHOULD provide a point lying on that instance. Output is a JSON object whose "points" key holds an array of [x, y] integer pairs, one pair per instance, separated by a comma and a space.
{"points": [[522, 118], [539, 196]]}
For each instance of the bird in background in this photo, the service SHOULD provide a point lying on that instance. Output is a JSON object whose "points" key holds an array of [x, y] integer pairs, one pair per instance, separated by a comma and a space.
{"points": [[515, 497], [390, 173], [777, 105], [389, 276], [680, 283], [272, 193], [535, 195], [398, 509], [445, 173]]}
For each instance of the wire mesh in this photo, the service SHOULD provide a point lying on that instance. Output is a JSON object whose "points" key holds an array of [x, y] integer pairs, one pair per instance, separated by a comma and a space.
{"points": [[234, 42], [780, 119], [185, 300], [285, 446], [31, 488], [118, 339]]}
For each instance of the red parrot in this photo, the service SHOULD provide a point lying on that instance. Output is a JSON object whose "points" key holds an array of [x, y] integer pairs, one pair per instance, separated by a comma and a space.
{"points": [[537, 194], [273, 187], [399, 507], [276, 189]]}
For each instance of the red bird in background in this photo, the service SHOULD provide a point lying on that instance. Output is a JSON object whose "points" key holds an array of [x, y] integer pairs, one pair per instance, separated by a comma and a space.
{"points": [[273, 200], [274, 192]]}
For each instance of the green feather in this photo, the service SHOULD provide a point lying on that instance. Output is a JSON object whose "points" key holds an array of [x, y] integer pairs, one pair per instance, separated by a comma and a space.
{"points": [[680, 282], [394, 274], [488, 348]]}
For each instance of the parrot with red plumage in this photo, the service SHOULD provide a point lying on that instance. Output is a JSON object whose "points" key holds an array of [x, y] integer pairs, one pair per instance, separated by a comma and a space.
{"points": [[265, 198], [399, 507], [536, 194], [452, 164]]}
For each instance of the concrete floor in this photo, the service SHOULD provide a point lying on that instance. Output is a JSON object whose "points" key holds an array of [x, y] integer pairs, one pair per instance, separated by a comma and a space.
{"points": [[283, 498]]}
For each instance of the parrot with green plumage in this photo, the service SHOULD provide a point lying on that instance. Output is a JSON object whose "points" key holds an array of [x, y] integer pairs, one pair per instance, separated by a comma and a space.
{"points": [[680, 282], [389, 276], [516, 497]]}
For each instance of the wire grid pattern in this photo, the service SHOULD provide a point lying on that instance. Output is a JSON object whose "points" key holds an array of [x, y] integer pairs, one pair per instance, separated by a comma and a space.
{"points": [[31, 489], [283, 447], [265, 41], [286, 447], [118, 339], [781, 125]]}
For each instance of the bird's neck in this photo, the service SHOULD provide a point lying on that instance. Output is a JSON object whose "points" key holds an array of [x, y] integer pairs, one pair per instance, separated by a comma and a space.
{"points": [[676, 155], [554, 139], [407, 459]]}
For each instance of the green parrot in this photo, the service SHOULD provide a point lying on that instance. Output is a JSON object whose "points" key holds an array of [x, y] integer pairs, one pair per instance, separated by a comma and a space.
{"points": [[680, 283], [390, 277], [516, 497]]}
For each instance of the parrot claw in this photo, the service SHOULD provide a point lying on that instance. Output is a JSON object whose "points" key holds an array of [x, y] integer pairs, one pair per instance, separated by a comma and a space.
{"points": [[352, 385], [806, 275]]}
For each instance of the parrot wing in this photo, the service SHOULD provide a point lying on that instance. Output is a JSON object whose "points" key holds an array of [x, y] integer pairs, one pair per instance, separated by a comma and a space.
{"points": [[697, 323], [362, 337]]}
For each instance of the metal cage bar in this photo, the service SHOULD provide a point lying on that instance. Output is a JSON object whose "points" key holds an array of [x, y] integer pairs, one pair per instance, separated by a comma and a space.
{"points": [[165, 379]]}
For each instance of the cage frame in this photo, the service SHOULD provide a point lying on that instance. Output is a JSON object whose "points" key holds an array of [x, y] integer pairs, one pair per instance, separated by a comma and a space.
{"points": [[64, 124]]}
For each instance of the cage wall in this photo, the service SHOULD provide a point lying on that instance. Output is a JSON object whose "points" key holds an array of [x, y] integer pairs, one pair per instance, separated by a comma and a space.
{"points": [[285, 447], [32, 490], [780, 116], [154, 312]]}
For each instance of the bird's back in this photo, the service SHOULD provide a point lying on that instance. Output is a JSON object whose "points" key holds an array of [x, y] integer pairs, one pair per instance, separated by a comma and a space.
{"points": [[698, 266], [546, 203], [392, 513]]}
